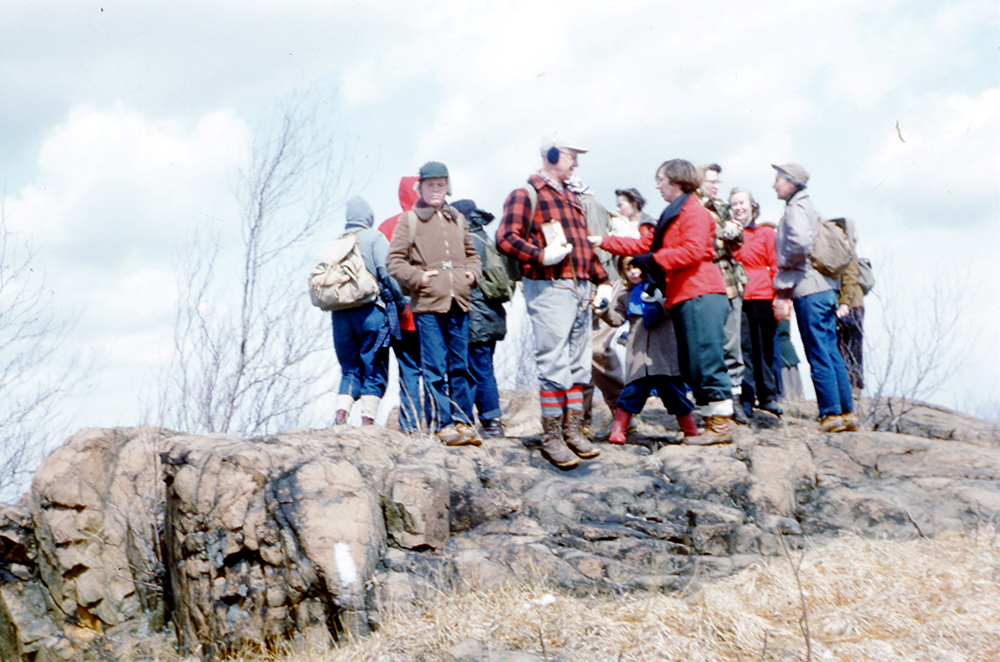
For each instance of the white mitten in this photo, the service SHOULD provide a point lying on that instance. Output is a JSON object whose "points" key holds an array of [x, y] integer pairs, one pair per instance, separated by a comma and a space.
{"points": [[555, 254], [602, 298]]}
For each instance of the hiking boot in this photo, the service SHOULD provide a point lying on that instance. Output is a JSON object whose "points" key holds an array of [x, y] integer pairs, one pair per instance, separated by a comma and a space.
{"points": [[772, 407], [491, 428], [573, 434], [850, 421], [832, 423], [448, 435], [367, 420], [687, 425], [740, 415], [619, 429], [467, 436], [718, 430], [553, 447], [341, 417]]}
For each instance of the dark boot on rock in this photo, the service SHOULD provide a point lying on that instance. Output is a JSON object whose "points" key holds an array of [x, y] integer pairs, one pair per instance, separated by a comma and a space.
{"points": [[573, 434], [491, 428], [553, 447]]}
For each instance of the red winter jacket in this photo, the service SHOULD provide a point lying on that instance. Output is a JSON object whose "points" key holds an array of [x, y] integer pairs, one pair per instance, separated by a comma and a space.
{"points": [[408, 197], [686, 255], [760, 261]]}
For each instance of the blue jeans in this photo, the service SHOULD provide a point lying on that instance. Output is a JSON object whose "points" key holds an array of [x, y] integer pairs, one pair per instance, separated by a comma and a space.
{"points": [[817, 318], [407, 351], [444, 363], [487, 397], [364, 363]]}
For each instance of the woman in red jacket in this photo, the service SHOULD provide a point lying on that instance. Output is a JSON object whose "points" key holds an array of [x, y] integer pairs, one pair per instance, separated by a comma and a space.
{"points": [[678, 257], [758, 324]]}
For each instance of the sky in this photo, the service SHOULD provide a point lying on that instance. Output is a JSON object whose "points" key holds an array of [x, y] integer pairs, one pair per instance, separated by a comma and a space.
{"points": [[125, 126]]}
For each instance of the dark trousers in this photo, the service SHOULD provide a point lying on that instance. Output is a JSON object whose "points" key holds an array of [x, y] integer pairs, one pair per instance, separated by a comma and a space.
{"points": [[757, 331], [672, 392], [701, 338], [407, 351], [850, 340], [487, 398]]}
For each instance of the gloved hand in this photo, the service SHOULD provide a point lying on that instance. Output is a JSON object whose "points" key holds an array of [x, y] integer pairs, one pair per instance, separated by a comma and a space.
{"points": [[555, 254], [644, 262], [602, 298]]}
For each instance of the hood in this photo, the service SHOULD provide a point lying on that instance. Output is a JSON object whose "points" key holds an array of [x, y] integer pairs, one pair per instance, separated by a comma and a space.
{"points": [[408, 195], [474, 216], [359, 214]]}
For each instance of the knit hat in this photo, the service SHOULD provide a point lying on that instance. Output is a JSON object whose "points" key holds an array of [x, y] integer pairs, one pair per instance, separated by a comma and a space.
{"points": [[359, 213], [433, 169], [794, 172]]}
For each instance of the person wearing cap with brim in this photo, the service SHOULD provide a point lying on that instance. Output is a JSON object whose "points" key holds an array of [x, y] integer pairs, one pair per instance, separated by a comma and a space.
{"points": [[814, 297], [433, 256], [558, 282]]}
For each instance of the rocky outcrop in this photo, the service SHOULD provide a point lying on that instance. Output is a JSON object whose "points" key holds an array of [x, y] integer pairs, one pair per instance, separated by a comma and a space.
{"points": [[144, 540]]}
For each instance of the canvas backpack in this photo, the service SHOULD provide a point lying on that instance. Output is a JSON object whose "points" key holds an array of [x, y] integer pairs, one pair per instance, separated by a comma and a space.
{"points": [[831, 252], [496, 284], [341, 281], [866, 275]]}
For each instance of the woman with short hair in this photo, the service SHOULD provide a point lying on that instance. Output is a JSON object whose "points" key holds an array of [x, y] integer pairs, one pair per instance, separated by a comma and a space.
{"points": [[678, 257]]}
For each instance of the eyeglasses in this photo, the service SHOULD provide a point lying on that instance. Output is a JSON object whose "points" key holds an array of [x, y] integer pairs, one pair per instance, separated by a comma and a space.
{"points": [[571, 155]]}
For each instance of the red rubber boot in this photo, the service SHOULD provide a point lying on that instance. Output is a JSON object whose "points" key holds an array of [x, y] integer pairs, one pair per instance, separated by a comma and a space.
{"points": [[687, 425], [619, 429]]}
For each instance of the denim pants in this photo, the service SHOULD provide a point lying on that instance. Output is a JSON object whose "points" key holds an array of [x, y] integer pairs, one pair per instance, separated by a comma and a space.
{"points": [[759, 384], [487, 397], [817, 318], [407, 351], [700, 327], [364, 365], [672, 392], [444, 364]]}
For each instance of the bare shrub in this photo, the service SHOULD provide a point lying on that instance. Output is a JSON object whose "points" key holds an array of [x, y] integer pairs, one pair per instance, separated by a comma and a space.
{"points": [[36, 374], [246, 340]]}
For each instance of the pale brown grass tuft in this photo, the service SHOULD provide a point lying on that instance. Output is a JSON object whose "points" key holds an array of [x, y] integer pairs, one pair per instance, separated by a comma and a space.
{"points": [[867, 600]]}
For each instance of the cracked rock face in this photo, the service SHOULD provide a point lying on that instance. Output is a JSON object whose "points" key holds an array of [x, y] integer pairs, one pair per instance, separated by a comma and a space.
{"points": [[141, 539]]}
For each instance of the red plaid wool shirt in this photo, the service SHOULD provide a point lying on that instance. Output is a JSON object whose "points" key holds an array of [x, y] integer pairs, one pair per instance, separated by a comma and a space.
{"points": [[520, 237]]}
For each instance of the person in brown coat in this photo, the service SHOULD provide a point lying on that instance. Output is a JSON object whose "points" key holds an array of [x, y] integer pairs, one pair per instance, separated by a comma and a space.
{"points": [[432, 255], [651, 363]]}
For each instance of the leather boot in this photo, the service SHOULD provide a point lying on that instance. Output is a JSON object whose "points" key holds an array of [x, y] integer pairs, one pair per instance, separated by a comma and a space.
{"points": [[553, 447], [718, 430], [687, 425], [573, 434], [850, 421], [619, 430], [340, 418], [740, 414], [832, 423], [367, 420]]}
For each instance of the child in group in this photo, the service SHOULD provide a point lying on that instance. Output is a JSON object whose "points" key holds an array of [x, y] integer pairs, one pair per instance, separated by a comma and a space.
{"points": [[651, 365]]}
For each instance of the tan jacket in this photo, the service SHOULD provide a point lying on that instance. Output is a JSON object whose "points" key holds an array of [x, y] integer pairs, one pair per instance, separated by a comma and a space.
{"points": [[442, 242]]}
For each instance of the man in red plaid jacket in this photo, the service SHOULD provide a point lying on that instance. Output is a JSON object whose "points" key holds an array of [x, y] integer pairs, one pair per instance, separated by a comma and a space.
{"points": [[558, 278]]}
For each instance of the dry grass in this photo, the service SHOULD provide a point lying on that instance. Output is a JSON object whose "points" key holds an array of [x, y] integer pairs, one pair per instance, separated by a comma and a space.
{"points": [[867, 600]]}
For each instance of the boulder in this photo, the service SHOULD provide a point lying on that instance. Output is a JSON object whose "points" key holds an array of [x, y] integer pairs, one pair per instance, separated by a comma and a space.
{"points": [[139, 541]]}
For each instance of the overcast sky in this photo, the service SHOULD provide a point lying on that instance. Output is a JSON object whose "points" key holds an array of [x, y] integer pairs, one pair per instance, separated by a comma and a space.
{"points": [[125, 123]]}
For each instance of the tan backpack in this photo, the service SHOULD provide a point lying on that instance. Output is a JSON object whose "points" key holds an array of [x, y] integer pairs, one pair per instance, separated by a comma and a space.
{"points": [[341, 281]]}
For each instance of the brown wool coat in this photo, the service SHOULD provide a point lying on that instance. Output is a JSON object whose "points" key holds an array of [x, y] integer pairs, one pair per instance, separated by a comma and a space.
{"points": [[441, 241], [648, 351]]}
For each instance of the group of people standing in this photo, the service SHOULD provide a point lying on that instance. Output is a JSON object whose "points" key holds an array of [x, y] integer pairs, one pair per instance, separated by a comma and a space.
{"points": [[702, 288]]}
